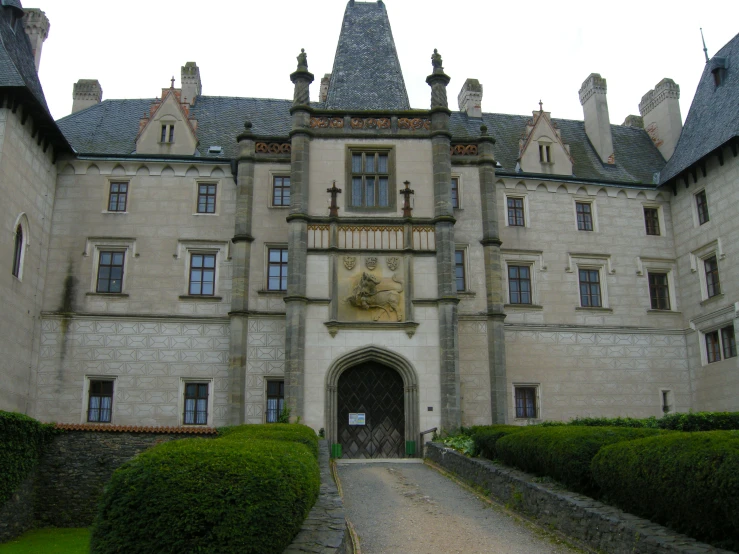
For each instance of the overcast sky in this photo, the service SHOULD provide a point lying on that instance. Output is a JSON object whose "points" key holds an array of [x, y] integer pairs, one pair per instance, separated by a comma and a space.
{"points": [[520, 51]]}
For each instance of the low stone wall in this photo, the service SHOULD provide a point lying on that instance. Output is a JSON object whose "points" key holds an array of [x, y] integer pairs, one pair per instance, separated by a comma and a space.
{"points": [[598, 525], [324, 530], [16, 515]]}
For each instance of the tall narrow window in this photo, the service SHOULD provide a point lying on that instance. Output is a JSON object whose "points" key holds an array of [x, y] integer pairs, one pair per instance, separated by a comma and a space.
{"points": [[110, 272], [118, 197], [584, 216], [590, 288], [713, 285], [206, 198], [659, 291], [701, 204], [281, 191], [459, 271], [515, 212], [275, 400], [728, 340], [519, 284], [370, 177], [545, 153], [713, 348], [100, 402], [651, 220], [455, 192], [202, 274], [18, 251], [196, 404], [277, 269], [526, 402], [168, 133]]}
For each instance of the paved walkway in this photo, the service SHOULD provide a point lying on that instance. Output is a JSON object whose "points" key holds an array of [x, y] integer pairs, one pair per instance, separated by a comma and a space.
{"points": [[413, 509]]}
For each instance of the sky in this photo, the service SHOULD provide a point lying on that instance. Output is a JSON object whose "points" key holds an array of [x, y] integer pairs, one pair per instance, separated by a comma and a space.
{"points": [[521, 52]]}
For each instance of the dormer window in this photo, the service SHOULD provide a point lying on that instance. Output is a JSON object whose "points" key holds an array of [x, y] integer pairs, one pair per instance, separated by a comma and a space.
{"points": [[718, 70], [168, 133], [545, 153], [13, 19]]}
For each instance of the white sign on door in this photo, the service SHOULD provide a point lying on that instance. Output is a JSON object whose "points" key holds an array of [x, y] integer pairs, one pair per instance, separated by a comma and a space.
{"points": [[356, 419]]}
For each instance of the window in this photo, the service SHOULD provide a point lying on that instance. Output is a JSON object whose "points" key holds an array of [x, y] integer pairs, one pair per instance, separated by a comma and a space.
{"points": [[713, 285], [455, 192], [651, 220], [721, 341], [18, 252], [280, 191], [459, 270], [277, 269], [516, 212], [206, 198], [196, 404], [701, 203], [275, 400], [713, 348], [100, 402], [110, 272], [526, 402], [202, 274], [728, 340], [118, 197], [666, 404], [584, 212], [168, 133], [370, 179], [659, 291], [519, 284], [590, 288], [545, 153]]}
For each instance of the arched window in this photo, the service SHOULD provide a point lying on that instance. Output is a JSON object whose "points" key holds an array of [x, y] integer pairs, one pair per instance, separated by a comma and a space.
{"points": [[18, 253]]}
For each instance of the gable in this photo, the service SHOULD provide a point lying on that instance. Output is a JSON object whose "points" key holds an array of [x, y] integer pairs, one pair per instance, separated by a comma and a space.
{"points": [[541, 149], [168, 130]]}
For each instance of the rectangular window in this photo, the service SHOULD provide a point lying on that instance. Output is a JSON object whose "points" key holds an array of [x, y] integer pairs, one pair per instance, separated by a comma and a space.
{"points": [[526, 402], [515, 212], [519, 284], [110, 272], [713, 348], [728, 340], [545, 153], [196, 404], [584, 216], [206, 198], [277, 269], [701, 203], [455, 192], [100, 402], [118, 197], [659, 291], [713, 285], [281, 191], [370, 178], [459, 271], [275, 400], [167, 133], [202, 274], [651, 220], [590, 288]]}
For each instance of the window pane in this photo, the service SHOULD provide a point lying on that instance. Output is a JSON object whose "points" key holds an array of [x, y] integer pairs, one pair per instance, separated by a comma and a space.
{"points": [[356, 163], [383, 192], [382, 163], [370, 191], [357, 191], [195, 287], [105, 258], [209, 261], [369, 163], [197, 261]]}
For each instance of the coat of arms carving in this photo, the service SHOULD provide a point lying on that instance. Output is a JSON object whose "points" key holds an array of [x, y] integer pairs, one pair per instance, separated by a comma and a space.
{"points": [[379, 296], [371, 262], [393, 262], [350, 262]]}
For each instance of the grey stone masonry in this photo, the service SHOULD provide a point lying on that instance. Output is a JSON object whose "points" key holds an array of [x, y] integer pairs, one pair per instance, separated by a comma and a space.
{"points": [[602, 527]]}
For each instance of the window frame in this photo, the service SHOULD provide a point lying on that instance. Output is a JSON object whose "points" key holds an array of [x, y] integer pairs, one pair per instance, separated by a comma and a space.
{"points": [[111, 183], [589, 214], [207, 195], [701, 210], [463, 250], [203, 269], [530, 268], [185, 250], [545, 153], [718, 343], [731, 337], [273, 187], [280, 399], [657, 220], [714, 282], [519, 219], [458, 190], [392, 193], [535, 388], [95, 245], [167, 135], [112, 252], [91, 382], [581, 199], [18, 251], [182, 404], [267, 264], [665, 285], [590, 270]]}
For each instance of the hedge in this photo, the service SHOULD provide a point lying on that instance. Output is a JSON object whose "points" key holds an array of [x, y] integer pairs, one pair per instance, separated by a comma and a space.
{"points": [[687, 481], [485, 437], [226, 495], [563, 453], [22, 439], [649, 422], [273, 431], [701, 421]]}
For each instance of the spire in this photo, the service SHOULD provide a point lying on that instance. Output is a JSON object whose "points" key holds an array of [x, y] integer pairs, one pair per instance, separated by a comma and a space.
{"points": [[366, 73], [705, 50]]}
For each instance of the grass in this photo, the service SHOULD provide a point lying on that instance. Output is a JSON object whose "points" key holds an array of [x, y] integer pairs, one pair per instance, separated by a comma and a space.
{"points": [[50, 540]]}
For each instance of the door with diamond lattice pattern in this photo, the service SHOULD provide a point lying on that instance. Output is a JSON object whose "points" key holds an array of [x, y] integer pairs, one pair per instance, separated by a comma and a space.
{"points": [[376, 391]]}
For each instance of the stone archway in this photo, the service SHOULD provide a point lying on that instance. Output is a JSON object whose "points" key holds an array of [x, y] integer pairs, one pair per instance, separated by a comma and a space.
{"points": [[377, 357]]}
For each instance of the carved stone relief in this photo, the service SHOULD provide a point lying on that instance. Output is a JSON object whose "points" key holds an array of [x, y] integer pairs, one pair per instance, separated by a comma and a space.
{"points": [[350, 262], [371, 293], [393, 262], [371, 262]]}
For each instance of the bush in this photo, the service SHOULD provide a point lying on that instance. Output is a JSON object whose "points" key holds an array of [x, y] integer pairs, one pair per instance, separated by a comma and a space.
{"points": [[238, 493], [273, 431], [485, 437], [563, 453], [701, 421], [22, 439], [687, 481], [649, 423]]}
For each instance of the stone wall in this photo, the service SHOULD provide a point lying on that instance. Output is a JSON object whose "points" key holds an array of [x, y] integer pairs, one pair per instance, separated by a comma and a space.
{"points": [[16, 515]]}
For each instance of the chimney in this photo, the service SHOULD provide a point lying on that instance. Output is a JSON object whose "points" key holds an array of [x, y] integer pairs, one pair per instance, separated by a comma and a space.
{"points": [[87, 92], [470, 98], [660, 108], [595, 112], [190, 82], [36, 25], [324, 87]]}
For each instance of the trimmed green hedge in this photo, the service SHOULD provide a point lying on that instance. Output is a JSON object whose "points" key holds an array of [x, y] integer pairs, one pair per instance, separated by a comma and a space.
{"points": [[22, 439], [232, 494], [701, 421], [687, 481], [273, 431], [649, 422], [485, 438], [563, 453]]}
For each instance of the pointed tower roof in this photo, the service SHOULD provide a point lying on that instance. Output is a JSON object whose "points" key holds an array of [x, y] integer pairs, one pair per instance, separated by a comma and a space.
{"points": [[366, 74]]}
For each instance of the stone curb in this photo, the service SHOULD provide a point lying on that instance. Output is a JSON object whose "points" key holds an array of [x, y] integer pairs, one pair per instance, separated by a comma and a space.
{"points": [[597, 525]]}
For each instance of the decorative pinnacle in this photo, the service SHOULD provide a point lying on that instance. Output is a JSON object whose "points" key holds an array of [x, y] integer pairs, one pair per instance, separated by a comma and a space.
{"points": [[247, 124], [436, 62], [483, 130], [541, 105], [172, 85], [705, 50], [302, 60]]}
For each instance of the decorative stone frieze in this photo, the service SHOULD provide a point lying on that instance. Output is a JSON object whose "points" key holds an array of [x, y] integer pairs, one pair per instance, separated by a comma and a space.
{"points": [[272, 148], [370, 123], [326, 122], [464, 150], [414, 124]]}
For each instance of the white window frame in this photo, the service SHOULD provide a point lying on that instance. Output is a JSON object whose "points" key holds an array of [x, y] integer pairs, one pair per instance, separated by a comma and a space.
{"points": [[644, 266], [660, 218], [86, 398], [181, 401], [537, 392], [601, 263], [593, 212], [265, 268], [185, 249], [95, 245], [219, 196], [113, 180], [717, 328], [458, 177], [698, 259], [270, 201], [534, 260], [526, 212], [22, 221]]}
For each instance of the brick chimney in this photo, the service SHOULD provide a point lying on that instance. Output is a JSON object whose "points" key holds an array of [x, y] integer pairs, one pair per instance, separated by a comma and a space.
{"points": [[87, 92], [660, 108], [190, 81], [595, 112], [323, 91], [470, 98], [36, 25]]}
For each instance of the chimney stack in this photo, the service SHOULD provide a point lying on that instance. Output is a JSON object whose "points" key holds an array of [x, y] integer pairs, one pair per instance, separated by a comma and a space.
{"points": [[190, 82], [660, 108], [470, 98], [36, 25], [87, 92], [595, 112], [323, 91]]}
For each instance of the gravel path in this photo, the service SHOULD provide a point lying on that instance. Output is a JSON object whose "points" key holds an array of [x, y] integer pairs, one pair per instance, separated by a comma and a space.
{"points": [[413, 509]]}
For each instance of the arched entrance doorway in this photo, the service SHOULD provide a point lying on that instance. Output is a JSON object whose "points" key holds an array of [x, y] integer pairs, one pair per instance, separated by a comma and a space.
{"points": [[372, 404]]}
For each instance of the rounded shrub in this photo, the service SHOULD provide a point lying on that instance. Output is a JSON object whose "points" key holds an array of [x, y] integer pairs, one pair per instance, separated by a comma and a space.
{"points": [[485, 437], [273, 431], [563, 453], [208, 496]]}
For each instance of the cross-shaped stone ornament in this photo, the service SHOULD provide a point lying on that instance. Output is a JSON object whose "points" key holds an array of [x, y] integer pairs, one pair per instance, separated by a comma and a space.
{"points": [[333, 210], [406, 192]]}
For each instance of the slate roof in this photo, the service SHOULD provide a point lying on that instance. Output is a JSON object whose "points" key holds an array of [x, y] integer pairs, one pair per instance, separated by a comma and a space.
{"points": [[713, 118], [366, 73]]}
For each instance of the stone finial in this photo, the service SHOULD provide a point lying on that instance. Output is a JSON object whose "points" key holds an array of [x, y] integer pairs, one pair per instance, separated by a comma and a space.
{"points": [[190, 80], [470, 98], [438, 80], [634, 121], [595, 114], [37, 26], [302, 78], [436, 62], [86, 93], [660, 110], [302, 60], [483, 130], [325, 82]]}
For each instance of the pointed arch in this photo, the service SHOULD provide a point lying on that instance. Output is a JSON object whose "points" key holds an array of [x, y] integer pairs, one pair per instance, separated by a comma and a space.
{"points": [[217, 172], [168, 172], [21, 236], [143, 171], [192, 171], [118, 170], [92, 169], [68, 170]]}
